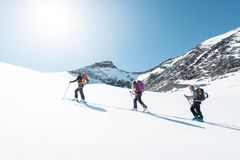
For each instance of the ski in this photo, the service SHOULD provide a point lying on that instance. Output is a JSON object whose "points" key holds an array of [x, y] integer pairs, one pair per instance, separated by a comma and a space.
{"points": [[198, 120], [74, 100], [147, 112]]}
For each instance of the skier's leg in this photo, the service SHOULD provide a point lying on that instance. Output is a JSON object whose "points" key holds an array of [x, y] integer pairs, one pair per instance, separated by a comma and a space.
{"points": [[193, 107], [81, 93], [199, 110], [76, 93], [141, 102], [135, 102]]}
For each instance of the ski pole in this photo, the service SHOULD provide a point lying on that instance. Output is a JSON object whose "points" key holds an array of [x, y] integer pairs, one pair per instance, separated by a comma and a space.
{"points": [[188, 101], [131, 94], [66, 90]]}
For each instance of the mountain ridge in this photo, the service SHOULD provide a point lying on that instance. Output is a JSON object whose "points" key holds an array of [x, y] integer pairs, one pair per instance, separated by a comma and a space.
{"points": [[210, 59]]}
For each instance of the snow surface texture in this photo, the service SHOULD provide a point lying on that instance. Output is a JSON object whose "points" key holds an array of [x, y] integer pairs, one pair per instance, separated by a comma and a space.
{"points": [[37, 124]]}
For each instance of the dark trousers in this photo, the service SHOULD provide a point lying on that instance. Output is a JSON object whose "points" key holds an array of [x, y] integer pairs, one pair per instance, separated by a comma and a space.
{"points": [[80, 89], [195, 109], [139, 99]]}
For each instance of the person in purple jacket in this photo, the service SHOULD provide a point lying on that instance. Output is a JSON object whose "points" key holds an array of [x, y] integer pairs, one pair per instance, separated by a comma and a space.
{"points": [[138, 88]]}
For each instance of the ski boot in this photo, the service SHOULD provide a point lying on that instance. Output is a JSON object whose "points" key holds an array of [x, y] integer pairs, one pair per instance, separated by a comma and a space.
{"points": [[134, 109], [195, 118], [145, 109], [200, 119]]}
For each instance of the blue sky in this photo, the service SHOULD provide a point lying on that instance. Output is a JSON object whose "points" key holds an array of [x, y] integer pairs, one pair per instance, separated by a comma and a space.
{"points": [[61, 35]]}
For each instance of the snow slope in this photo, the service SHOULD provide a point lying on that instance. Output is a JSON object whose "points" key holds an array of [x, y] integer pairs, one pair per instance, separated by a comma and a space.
{"points": [[37, 124]]}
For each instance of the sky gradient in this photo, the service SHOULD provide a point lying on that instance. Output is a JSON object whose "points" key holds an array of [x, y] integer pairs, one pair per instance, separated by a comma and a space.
{"points": [[62, 35]]}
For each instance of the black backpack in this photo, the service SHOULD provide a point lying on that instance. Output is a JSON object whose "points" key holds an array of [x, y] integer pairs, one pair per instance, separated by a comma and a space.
{"points": [[201, 95]]}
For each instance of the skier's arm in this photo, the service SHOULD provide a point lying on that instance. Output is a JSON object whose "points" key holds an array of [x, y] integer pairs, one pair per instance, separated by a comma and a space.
{"points": [[188, 97], [74, 80]]}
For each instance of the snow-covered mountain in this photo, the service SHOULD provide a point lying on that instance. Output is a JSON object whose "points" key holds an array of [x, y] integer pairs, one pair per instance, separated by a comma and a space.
{"points": [[36, 123], [107, 72], [211, 60]]}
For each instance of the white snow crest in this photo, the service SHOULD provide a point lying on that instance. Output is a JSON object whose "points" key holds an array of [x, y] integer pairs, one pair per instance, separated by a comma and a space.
{"points": [[212, 41]]}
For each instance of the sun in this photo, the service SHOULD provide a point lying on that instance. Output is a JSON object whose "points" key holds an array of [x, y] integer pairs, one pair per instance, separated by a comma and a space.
{"points": [[51, 21]]}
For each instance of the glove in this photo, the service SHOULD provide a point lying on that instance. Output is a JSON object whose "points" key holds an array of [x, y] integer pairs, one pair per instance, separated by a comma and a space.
{"points": [[132, 92]]}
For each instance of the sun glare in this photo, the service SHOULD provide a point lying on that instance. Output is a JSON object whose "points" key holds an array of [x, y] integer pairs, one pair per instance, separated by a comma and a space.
{"points": [[51, 21]]}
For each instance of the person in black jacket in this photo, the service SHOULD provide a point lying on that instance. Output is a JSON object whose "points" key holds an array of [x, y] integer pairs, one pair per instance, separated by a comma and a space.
{"points": [[82, 81], [195, 107]]}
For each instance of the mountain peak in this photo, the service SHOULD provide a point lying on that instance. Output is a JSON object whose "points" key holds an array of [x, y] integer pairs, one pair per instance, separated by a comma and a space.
{"points": [[212, 59], [108, 73], [214, 40], [104, 64]]}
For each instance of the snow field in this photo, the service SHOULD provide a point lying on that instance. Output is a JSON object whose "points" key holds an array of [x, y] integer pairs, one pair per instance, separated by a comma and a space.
{"points": [[36, 123]]}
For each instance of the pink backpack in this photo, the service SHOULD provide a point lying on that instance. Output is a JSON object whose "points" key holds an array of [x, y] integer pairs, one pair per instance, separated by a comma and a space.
{"points": [[140, 85]]}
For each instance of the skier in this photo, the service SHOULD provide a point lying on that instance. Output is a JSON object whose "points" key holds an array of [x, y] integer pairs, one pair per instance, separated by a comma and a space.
{"points": [[195, 107], [82, 81], [137, 87]]}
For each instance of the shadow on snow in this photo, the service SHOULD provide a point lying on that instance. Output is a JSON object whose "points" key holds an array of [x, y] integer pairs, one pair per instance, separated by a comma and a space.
{"points": [[227, 126], [170, 118], [152, 114], [87, 105], [91, 106]]}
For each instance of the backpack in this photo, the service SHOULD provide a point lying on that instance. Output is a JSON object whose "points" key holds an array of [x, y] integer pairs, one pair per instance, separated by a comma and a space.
{"points": [[140, 85], [84, 79], [201, 95]]}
